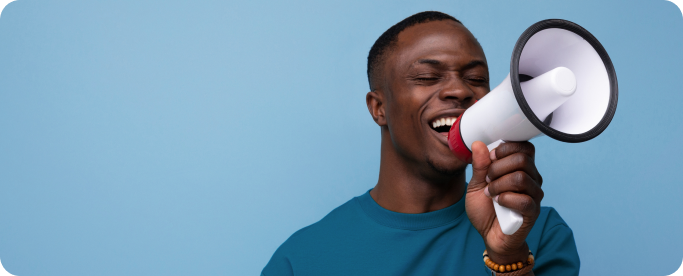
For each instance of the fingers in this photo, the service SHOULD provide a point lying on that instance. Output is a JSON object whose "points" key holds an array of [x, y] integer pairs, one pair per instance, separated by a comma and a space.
{"points": [[517, 182], [509, 148], [513, 173], [521, 203], [514, 162]]}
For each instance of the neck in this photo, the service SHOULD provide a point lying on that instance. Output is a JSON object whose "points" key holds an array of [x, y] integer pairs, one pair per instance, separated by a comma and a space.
{"points": [[408, 187]]}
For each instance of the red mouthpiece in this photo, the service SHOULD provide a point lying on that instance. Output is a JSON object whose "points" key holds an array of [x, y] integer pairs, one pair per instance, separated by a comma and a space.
{"points": [[457, 145]]}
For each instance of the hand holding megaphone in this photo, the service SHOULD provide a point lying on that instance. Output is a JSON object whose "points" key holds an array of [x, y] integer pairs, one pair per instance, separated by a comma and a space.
{"points": [[561, 84]]}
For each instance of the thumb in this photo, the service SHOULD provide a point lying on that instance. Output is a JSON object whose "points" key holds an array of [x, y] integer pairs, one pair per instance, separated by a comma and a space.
{"points": [[480, 165]]}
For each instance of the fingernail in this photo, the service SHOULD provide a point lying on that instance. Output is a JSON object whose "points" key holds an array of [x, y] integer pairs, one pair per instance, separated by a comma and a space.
{"points": [[488, 180], [496, 198], [486, 192], [492, 155]]}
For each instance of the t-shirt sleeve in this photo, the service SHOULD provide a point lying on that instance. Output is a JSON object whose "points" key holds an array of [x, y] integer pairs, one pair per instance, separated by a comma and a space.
{"points": [[278, 265], [556, 253]]}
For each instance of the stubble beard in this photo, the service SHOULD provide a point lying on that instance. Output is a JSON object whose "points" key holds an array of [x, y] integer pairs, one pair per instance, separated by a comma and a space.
{"points": [[444, 171]]}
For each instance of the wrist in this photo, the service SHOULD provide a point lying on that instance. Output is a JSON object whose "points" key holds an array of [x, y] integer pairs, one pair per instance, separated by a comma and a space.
{"points": [[511, 269], [519, 255]]}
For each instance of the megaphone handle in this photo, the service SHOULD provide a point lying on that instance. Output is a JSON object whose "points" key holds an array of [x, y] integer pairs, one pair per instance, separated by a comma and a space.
{"points": [[509, 220]]}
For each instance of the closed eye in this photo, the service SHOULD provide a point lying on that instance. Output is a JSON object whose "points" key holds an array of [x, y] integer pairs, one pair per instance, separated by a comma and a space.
{"points": [[478, 81], [426, 79]]}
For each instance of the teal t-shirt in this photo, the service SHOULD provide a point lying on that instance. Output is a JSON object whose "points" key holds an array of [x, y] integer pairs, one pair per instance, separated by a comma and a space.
{"points": [[362, 238]]}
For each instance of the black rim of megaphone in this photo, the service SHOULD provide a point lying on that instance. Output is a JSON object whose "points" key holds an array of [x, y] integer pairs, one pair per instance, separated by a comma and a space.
{"points": [[514, 76]]}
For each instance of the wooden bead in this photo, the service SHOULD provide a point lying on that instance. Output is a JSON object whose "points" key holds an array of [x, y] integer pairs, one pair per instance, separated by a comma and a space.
{"points": [[530, 260], [507, 268]]}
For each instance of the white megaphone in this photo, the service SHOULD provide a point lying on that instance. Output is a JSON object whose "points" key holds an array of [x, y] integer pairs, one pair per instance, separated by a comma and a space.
{"points": [[561, 84]]}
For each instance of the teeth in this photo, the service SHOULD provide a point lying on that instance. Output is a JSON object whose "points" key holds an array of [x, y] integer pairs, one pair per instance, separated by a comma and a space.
{"points": [[444, 121]]}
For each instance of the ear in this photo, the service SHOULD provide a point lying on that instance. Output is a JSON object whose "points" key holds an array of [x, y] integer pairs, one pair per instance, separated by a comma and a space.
{"points": [[375, 102]]}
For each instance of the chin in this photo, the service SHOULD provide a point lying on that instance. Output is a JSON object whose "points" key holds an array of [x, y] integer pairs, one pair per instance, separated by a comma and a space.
{"points": [[449, 166]]}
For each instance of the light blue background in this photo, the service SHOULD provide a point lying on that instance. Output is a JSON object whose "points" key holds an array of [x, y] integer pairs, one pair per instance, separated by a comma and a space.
{"points": [[178, 138]]}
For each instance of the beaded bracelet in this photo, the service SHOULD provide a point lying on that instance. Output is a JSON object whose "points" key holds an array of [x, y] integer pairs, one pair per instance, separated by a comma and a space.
{"points": [[510, 267]]}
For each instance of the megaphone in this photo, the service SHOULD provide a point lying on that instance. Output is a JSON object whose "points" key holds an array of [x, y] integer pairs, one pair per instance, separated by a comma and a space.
{"points": [[562, 84]]}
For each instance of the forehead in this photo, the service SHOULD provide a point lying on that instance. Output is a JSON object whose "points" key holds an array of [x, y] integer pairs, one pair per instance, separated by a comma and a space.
{"points": [[445, 40]]}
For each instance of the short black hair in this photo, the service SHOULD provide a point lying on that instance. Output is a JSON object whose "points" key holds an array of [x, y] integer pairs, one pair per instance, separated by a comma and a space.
{"points": [[389, 37]]}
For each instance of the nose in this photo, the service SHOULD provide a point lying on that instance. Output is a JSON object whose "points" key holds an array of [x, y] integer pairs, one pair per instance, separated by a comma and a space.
{"points": [[456, 89]]}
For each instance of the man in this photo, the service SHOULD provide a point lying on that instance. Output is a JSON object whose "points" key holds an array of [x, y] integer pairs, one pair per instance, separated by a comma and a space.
{"points": [[422, 217]]}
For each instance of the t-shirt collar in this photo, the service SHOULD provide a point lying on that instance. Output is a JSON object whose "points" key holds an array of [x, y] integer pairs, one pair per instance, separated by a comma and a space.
{"points": [[450, 214]]}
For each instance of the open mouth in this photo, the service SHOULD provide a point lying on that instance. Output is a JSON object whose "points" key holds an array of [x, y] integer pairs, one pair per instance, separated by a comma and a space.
{"points": [[443, 125]]}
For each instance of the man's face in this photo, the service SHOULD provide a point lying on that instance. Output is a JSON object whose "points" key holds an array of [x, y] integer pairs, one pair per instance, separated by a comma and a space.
{"points": [[436, 71]]}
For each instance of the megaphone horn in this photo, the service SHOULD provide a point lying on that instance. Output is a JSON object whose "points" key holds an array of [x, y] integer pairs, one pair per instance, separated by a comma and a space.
{"points": [[562, 84]]}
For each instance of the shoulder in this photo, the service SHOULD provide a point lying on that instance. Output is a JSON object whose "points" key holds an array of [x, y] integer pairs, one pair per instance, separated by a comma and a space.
{"points": [[550, 218], [552, 242], [311, 238], [335, 221], [546, 227]]}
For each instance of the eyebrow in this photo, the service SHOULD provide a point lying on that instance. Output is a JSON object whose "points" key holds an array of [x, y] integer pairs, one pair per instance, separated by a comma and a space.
{"points": [[429, 61], [474, 63], [469, 65]]}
